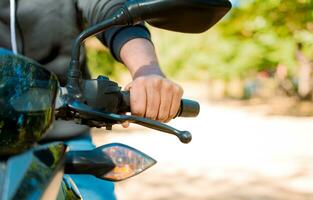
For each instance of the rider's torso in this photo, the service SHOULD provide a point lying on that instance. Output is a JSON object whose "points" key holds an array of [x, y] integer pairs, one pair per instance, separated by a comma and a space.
{"points": [[45, 31]]}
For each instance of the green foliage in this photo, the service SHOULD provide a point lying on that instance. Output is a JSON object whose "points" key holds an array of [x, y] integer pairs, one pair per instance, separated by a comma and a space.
{"points": [[275, 28], [256, 36], [101, 62]]}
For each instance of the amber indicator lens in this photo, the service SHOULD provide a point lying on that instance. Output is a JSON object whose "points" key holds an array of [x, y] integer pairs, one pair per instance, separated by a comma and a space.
{"points": [[128, 161]]}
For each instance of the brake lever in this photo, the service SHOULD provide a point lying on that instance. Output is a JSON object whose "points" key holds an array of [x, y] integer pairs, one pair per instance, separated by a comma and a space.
{"points": [[87, 112]]}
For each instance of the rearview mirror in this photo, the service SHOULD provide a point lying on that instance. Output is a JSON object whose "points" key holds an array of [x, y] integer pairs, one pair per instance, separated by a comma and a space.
{"points": [[27, 101], [188, 16]]}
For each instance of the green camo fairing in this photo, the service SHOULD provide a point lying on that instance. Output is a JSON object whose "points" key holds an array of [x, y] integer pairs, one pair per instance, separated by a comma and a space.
{"points": [[27, 99]]}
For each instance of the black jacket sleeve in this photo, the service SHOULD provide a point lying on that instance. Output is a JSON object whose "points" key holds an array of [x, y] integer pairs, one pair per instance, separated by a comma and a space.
{"points": [[95, 11]]}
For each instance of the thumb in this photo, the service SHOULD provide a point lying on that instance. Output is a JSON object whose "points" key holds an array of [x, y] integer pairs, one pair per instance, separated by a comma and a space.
{"points": [[128, 86]]}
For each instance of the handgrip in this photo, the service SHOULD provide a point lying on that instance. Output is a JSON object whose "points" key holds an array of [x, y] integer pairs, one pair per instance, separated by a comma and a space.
{"points": [[188, 108]]}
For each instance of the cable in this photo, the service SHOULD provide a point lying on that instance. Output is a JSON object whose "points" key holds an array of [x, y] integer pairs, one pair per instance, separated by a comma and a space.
{"points": [[13, 26]]}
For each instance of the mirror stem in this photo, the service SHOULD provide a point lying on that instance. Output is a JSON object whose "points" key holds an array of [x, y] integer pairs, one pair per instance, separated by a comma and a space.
{"points": [[74, 76]]}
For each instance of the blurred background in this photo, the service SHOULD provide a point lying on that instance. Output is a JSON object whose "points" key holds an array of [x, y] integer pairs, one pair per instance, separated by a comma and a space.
{"points": [[252, 74]]}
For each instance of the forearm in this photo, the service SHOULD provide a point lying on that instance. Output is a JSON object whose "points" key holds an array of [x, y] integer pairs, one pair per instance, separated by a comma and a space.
{"points": [[140, 58]]}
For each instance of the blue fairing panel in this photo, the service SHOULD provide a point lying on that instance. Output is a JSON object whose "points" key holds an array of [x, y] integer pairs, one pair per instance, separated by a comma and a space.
{"points": [[5, 52]]}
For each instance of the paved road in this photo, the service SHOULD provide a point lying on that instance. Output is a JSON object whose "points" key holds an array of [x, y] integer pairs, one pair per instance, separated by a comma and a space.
{"points": [[234, 154]]}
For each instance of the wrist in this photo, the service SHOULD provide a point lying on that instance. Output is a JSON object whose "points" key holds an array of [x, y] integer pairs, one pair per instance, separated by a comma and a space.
{"points": [[146, 70], [140, 58]]}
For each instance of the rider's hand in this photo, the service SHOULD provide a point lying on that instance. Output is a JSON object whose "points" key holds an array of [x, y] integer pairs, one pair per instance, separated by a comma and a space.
{"points": [[154, 96]]}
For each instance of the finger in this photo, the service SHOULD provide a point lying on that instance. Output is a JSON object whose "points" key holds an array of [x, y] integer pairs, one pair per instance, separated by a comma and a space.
{"points": [[125, 124], [138, 99], [166, 101], [153, 98], [177, 95]]}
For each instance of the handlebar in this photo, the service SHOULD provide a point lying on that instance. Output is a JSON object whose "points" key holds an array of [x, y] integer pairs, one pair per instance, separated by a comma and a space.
{"points": [[104, 103]]}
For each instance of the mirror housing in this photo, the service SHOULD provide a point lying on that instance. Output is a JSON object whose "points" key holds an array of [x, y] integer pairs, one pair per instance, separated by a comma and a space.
{"points": [[188, 16], [27, 99]]}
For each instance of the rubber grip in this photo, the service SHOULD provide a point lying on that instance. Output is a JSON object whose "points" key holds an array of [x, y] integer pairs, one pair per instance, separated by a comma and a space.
{"points": [[188, 108]]}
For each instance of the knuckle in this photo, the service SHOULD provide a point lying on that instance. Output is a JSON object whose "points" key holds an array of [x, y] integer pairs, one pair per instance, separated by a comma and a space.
{"points": [[156, 82], [151, 112], [174, 111], [176, 89], [138, 111], [181, 90], [133, 97], [135, 103], [172, 116], [167, 87], [153, 102], [151, 115], [162, 117]]}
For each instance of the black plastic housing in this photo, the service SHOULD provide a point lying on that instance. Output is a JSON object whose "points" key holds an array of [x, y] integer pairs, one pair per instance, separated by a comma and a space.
{"points": [[187, 16]]}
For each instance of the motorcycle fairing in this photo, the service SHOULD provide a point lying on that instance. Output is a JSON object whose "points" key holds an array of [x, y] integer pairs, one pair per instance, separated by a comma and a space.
{"points": [[27, 175]]}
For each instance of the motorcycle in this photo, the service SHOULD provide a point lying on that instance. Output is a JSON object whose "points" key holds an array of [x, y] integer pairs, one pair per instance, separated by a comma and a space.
{"points": [[31, 99]]}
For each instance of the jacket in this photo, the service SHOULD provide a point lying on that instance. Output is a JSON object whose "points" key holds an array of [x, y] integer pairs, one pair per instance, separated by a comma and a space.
{"points": [[46, 29]]}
